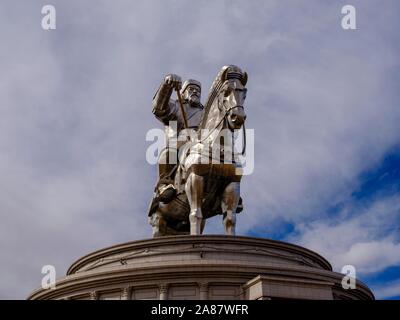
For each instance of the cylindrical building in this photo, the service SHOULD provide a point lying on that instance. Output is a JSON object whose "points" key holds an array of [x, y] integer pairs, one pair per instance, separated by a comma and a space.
{"points": [[203, 267]]}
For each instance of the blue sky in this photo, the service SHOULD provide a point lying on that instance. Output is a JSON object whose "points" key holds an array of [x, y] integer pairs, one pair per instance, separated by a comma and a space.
{"points": [[380, 182], [75, 107]]}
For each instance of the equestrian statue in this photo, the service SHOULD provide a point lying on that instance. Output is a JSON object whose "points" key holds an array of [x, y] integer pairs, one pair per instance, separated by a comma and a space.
{"points": [[199, 171]]}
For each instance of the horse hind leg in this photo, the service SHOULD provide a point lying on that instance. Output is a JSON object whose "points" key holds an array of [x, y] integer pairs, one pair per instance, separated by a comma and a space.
{"points": [[230, 200], [194, 191]]}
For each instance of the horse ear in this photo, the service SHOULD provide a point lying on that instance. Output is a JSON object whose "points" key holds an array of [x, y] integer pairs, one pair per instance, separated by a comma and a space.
{"points": [[244, 79], [224, 75]]}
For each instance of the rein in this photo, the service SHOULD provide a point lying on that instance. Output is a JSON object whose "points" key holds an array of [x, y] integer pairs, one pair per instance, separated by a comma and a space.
{"points": [[224, 118]]}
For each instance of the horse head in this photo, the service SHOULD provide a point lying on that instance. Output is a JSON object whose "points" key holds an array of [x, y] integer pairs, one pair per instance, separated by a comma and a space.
{"points": [[233, 93]]}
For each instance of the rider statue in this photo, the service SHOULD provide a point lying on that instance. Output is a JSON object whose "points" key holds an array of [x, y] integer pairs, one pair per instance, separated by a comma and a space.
{"points": [[168, 111]]}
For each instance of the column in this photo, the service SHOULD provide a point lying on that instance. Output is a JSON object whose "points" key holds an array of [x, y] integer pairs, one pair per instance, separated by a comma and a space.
{"points": [[203, 290], [94, 295], [164, 291], [126, 293]]}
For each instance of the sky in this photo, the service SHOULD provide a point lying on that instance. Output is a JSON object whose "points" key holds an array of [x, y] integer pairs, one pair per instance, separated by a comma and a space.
{"points": [[75, 107]]}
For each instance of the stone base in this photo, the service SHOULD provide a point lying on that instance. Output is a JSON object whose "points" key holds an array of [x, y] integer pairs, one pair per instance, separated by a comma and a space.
{"points": [[203, 267]]}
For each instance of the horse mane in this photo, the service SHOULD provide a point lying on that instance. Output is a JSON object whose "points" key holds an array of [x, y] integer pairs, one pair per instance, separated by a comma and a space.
{"points": [[226, 73]]}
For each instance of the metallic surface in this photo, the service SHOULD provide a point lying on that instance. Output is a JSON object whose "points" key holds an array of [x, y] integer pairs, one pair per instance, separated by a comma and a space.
{"points": [[206, 186]]}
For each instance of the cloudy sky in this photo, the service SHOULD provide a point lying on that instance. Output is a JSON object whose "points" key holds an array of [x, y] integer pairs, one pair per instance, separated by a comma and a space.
{"points": [[75, 107]]}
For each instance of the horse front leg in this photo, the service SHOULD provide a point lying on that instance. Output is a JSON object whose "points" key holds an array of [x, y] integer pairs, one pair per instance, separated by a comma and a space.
{"points": [[194, 191], [230, 199]]}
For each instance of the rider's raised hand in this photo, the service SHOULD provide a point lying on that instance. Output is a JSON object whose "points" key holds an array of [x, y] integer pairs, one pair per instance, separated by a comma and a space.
{"points": [[174, 81]]}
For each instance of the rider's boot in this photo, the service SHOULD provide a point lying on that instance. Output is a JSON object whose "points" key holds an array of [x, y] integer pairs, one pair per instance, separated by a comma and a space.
{"points": [[166, 190]]}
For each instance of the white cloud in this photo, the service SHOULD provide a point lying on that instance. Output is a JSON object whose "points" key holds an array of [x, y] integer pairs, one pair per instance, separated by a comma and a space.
{"points": [[364, 237], [372, 256]]}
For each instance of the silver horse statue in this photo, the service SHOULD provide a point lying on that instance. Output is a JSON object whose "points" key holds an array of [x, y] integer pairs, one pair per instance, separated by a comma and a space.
{"points": [[209, 172]]}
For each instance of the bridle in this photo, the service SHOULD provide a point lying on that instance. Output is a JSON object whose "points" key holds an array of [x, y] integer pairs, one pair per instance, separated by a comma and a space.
{"points": [[223, 119]]}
